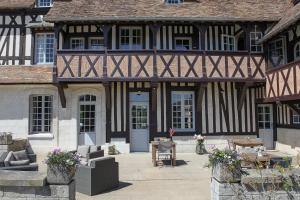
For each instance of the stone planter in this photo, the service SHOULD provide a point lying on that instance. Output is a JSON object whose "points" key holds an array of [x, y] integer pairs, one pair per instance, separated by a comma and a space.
{"points": [[200, 149], [5, 138], [225, 175], [59, 176]]}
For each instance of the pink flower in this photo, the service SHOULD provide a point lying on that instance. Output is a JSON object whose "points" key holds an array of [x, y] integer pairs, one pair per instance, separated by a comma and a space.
{"points": [[171, 132], [56, 150]]}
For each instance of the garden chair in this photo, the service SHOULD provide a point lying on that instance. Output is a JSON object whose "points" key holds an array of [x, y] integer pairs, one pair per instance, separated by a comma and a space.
{"points": [[165, 151]]}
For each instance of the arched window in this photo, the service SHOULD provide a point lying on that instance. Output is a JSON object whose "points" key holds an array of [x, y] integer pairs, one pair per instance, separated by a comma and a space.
{"points": [[87, 113], [297, 51]]}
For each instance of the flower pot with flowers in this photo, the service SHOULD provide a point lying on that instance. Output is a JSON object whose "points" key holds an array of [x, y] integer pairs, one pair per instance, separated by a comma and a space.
{"points": [[226, 165], [171, 133], [61, 166], [200, 147]]}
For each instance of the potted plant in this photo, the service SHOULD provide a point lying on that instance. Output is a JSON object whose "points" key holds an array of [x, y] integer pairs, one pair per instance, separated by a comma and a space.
{"points": [[171, 133], [61, 166], [226, 165], [200, 148]]}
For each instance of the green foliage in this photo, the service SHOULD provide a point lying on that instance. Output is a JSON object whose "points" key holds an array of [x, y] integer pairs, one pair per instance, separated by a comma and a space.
{"points": [[112, 150], [226, 157]]}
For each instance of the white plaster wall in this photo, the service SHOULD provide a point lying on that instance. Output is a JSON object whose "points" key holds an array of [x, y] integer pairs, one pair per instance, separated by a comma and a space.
{"points": [[14, 114], [288, 140], [120, 144]]}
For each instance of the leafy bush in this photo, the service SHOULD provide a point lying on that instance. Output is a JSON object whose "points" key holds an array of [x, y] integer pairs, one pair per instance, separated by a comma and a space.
{"points": [[63, 160], [225, 157]]}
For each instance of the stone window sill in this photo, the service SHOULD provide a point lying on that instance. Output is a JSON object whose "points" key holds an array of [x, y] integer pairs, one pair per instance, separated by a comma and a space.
{"points": [[42, 136]]}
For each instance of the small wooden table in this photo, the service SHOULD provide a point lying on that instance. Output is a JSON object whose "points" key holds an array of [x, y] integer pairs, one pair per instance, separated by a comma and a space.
{"points": [[246, 143], [154, 152], [253, 160]]}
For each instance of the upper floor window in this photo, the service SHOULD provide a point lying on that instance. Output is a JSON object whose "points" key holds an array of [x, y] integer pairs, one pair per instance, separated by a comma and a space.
{"points": [[228, 43], [44, 3], [44, 48], [77, 43], [183, 110], [173, 1], [276, 52], [183, 43], [254, 37], [297, 51], [131, 38], [96, 43], [41, 113]]}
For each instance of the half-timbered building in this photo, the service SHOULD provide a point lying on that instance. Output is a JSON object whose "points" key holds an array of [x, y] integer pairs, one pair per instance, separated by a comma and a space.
{"points": [[124, 72]]}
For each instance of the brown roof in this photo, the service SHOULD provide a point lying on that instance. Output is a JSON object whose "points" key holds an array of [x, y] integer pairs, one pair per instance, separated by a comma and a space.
{"points": [[289, 18], [25, 74], [198, 10], [16, 4]]}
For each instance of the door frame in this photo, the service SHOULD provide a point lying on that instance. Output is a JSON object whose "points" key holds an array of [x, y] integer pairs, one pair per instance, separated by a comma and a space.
{"points": [[130, 103], [273, 120]]}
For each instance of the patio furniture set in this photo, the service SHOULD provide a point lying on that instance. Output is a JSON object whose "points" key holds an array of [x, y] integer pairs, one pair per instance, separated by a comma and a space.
{"points": [[254, 154]]}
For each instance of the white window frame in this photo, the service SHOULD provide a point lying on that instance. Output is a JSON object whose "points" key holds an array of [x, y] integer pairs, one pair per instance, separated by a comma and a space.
{"points": [[44, 49], [31, 113], [257, 36], [130, 45], [295, 51], [229, 37], [77, 38], [44, 6], [263, 113], [174, 2], [183, 38], [283, 49], [295, 116], [96, 38], [182, 93], [90, 102]]}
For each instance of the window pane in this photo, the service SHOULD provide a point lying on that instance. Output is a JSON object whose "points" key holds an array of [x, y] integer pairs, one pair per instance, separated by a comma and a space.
{"points": [[45, 3], [44, 49], [41, 113], [77, 43], [87, 110]]}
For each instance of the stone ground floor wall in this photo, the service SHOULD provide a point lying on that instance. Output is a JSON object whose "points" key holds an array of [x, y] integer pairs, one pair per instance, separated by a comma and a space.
{"points": [[288, 140]]}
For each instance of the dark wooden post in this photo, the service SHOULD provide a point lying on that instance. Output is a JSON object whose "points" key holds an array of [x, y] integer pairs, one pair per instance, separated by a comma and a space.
{"points": [[105, 29], [153, 120], [202, 28], [201, 87], [22, 40], [154, 29], [107, 87], [247, 28]]}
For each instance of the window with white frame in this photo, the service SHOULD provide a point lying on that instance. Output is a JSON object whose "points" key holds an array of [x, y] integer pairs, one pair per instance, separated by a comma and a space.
{"points": [[264, 117], [183, 110], [131, 38], [44, 48], [183, 43], [276, 51], [87, 114], [254, 37], [77, 43], [96, 43], [296, 117], [297, 51], [41, 113], [44, 3], [228, 43], [173, 1]]}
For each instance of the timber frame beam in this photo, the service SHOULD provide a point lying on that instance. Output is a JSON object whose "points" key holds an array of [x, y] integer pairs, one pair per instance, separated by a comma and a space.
{"points": [[201, 91], [241, 91], [61, 93], [293, 107]]}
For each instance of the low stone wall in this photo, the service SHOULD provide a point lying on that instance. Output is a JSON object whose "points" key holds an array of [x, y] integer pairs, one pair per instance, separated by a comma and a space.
{"points": [[21, 185], [257, 185], [47, 192]]}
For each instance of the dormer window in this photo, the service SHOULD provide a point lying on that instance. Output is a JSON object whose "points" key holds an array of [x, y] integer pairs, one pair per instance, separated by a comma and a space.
{"points": [[44, 3], [173, 1]]}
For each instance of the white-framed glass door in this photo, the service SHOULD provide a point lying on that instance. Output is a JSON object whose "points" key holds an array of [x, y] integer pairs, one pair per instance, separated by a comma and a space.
{"points": [[265, 124], [87, 120], [139, 122]]}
